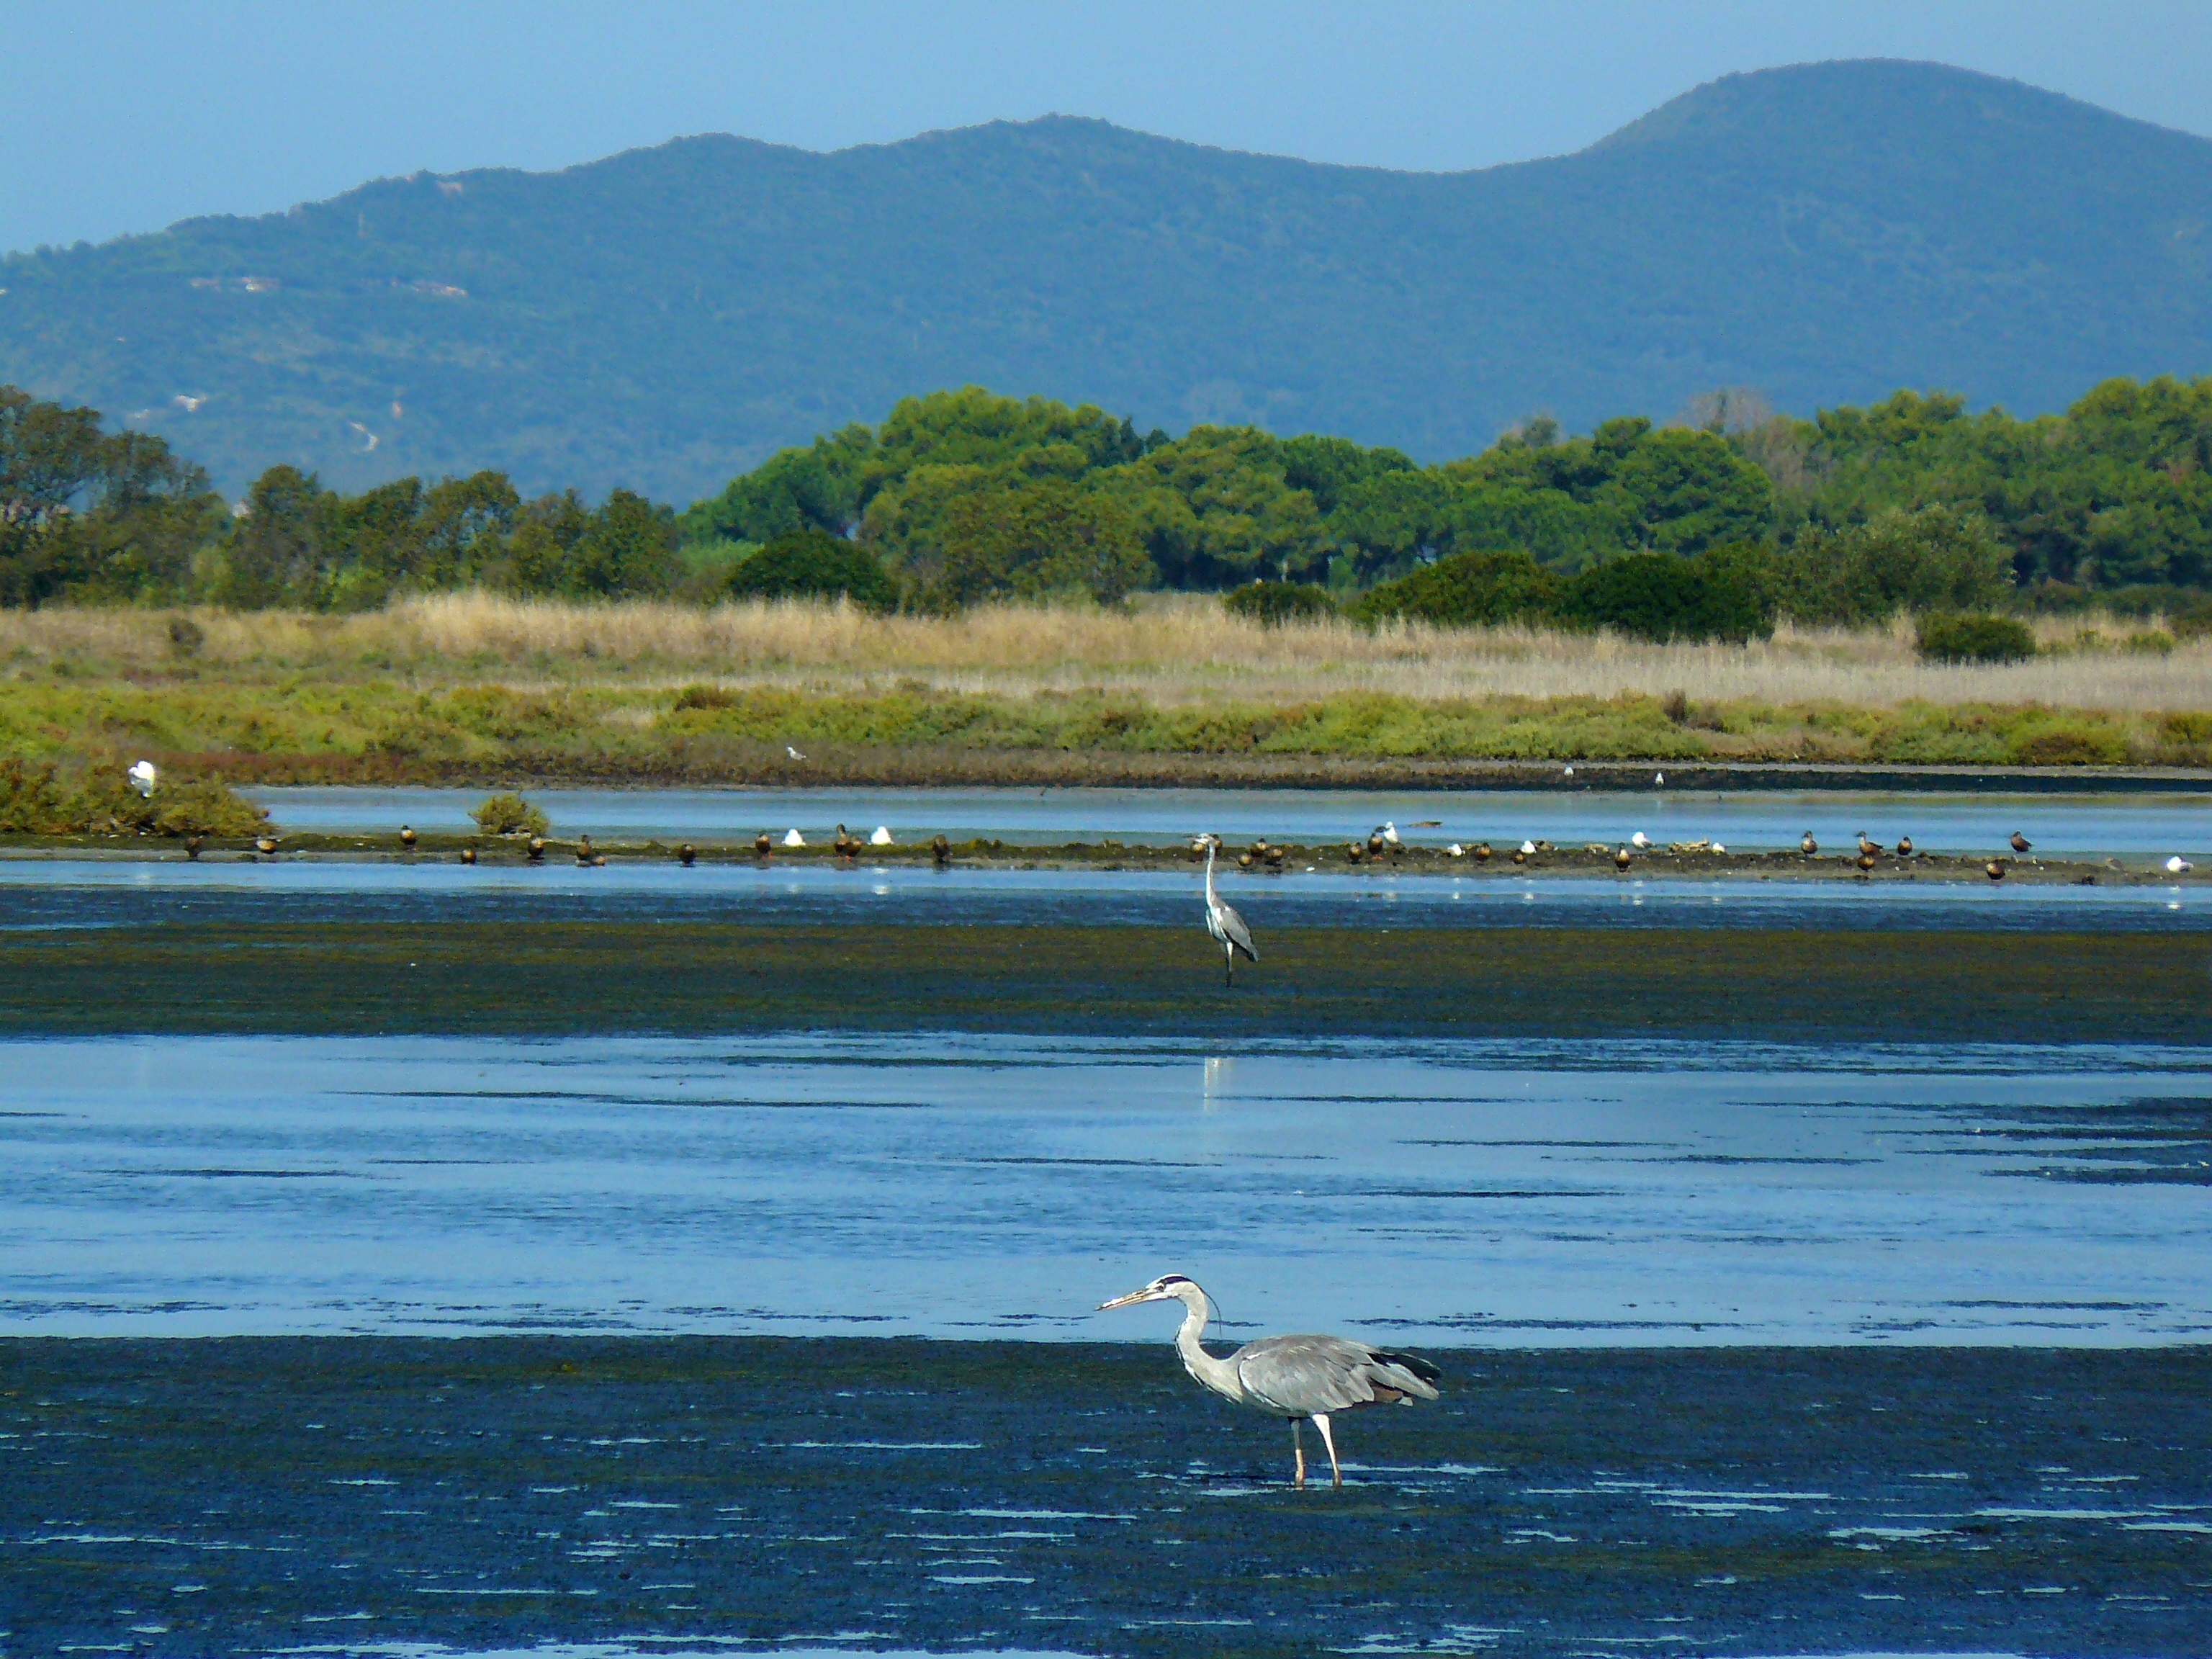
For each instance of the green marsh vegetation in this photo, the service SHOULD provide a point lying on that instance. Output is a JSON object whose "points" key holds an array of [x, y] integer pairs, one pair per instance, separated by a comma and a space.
{"points": [[980, 579]]}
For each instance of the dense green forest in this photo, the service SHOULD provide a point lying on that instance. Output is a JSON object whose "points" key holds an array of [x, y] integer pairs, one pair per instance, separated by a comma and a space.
{"points": [[1714, 525]]}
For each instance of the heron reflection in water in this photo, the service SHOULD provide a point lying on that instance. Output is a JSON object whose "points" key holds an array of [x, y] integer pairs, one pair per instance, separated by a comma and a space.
{"points": [[1294, 1378]]}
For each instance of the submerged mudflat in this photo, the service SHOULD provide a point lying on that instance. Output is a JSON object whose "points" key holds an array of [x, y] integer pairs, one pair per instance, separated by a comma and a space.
{"points": [[551, 977], [347, 1495]]}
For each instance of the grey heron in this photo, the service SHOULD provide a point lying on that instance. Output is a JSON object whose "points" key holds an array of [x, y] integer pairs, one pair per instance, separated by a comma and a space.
{"points": [[1222, 919], [1293, 1377]]}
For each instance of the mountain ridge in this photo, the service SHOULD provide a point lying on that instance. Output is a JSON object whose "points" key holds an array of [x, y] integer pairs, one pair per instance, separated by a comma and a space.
{"points": [[664, 316]]}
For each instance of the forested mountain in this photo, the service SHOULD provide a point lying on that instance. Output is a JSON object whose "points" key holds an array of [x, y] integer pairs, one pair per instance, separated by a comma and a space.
{"points": [[666, 318]]}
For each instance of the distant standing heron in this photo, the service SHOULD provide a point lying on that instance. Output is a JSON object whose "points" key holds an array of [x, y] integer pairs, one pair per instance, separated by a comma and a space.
{"points": [[1292, 1377], [1222, 919]]}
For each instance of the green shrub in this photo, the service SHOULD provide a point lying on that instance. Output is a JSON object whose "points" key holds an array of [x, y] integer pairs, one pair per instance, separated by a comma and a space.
{"points": [[1469, 590], [1943, 637], [2149, 642], [812, 564], [95, 799], [1662, 596], [510, 815], [1272, 604]]}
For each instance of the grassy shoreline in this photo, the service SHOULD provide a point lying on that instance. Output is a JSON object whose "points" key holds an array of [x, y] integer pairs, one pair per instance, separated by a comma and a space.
{"points": [[471, 689]]}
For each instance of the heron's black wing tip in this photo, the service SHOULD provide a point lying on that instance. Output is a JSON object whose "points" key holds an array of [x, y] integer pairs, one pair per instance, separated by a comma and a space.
{"points": [[1413, 1365]]}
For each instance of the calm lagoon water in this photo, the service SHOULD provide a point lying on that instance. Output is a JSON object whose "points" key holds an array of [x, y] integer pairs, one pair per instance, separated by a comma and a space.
{"points": [[2138, 824], [129, 892], [1537, 1192]]}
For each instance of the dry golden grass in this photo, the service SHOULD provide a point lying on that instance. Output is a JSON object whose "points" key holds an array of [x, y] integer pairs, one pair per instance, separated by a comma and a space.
{"points": [[1169, 649]]}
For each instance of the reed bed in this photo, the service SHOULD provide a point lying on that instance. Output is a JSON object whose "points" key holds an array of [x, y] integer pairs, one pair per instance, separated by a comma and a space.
{"points": [[1168, 650]]}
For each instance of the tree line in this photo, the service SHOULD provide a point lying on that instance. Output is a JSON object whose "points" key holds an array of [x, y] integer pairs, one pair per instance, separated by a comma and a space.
{"points": [[962, 497]]}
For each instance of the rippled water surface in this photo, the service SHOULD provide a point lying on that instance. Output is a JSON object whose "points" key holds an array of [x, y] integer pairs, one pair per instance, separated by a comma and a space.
{"points": [[1524, 1191]]}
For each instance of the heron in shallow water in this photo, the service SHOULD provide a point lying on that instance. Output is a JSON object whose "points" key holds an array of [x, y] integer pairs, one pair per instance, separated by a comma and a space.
{"points": [[1222, 919], [1293, 1377]]}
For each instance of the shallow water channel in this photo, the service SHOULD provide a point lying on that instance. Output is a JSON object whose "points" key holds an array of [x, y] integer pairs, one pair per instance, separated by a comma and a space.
{"points": [[1550, 1191]]}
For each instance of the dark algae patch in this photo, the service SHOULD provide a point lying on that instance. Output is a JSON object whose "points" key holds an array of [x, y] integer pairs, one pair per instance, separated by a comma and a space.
{"points": [[219, 1497], [553, 978]]}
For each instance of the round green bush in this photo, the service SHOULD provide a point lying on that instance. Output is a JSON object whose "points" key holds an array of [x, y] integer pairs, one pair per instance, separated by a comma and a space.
{"points": [[1469, 590], [1272, 604], [1664, 596], [1950, 638], [509, 815], [812, 564]]}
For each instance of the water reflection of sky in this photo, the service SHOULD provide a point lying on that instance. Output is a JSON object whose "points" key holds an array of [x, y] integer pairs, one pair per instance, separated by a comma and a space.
{"points": [[2142, 824], [1515, 1192], [126, 892]]}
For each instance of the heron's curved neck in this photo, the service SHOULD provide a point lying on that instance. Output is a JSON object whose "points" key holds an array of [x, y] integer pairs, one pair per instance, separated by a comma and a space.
{"points": [[1217, 1375], [1210, 901]]}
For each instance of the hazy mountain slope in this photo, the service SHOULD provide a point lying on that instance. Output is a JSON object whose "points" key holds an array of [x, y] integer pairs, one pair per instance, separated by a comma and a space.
{"points": [[664, 317]]}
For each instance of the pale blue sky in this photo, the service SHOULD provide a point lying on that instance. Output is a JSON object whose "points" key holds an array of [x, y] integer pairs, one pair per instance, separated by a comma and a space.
{"points": [[123, 116]]}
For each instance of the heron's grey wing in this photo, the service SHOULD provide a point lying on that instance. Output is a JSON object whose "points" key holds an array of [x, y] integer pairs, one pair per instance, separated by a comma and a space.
{"points": [[1240, 936], [1298, 1375]]}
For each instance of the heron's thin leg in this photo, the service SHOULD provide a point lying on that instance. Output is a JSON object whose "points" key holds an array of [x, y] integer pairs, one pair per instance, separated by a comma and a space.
{"points": [[1298, 1451], [1230, 952], [1321, 1421]]}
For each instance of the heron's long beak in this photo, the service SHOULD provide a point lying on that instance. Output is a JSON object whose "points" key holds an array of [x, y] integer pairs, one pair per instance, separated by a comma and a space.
{"points": [[1130, 1300]]}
